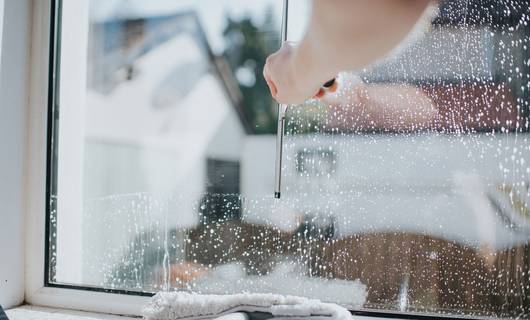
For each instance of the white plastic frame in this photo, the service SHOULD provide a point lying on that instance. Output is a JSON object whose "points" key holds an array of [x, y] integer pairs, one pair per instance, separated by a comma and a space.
{"points": [[35, 290], [15, 21]]}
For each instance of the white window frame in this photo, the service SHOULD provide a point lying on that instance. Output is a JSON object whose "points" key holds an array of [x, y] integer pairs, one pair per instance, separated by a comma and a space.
{"points": [[14, 44], [36, 292]]}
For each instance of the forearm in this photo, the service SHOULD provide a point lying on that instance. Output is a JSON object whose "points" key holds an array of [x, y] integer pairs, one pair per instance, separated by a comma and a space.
{"points": [[350, 34]]}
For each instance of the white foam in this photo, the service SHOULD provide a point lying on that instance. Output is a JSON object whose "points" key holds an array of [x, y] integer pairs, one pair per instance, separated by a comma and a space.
{"points": [[287, 279]]}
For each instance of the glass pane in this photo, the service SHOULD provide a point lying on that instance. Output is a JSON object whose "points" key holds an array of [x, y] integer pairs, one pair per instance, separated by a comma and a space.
{"points": [[406, 191]]}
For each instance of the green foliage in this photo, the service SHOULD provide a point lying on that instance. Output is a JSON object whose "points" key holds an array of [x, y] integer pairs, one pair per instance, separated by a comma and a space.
{"points": [[247, 48]]}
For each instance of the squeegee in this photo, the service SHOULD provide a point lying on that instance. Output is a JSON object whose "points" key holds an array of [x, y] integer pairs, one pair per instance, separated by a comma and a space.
{"points": [[282, 110]]}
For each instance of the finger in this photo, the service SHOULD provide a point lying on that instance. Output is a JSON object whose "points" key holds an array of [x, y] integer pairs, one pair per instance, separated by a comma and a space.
{"points": [[266, 70], [320, 93], [272, 87]]}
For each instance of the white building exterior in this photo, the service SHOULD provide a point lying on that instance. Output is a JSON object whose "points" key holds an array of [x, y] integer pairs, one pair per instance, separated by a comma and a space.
{"points": [[435, 184]]}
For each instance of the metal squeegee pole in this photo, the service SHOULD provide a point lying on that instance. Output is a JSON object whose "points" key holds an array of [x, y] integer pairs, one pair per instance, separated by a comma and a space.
{"points": [[282, 109]]}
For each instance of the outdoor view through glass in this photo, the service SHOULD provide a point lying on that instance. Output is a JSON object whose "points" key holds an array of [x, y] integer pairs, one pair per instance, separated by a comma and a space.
{"points": [[406, 191]]}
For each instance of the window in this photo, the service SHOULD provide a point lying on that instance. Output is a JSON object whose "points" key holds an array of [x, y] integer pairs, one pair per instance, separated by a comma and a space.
{"points": [[407, 192]]}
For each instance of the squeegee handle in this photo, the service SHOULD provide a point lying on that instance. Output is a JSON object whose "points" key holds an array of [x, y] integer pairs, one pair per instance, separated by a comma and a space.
{"points": [[282, 109], [279, 151], [329, 83]]}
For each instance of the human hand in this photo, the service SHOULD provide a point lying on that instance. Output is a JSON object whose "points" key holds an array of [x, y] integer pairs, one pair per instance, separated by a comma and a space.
{"points": [[287, 85], [328, 87]]}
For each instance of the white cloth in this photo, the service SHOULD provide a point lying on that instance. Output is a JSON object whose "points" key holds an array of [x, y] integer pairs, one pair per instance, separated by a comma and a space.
{"points": [[184, 305]]}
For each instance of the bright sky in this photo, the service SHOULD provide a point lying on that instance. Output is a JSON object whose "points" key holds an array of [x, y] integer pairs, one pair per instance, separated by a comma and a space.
{"points": [[212, 13]]}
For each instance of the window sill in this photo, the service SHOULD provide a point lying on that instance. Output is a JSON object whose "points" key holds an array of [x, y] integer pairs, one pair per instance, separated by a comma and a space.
{"points": [[28, 312]]}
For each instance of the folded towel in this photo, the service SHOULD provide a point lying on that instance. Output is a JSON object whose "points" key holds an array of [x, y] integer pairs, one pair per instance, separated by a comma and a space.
{"points": [[184, 305]]}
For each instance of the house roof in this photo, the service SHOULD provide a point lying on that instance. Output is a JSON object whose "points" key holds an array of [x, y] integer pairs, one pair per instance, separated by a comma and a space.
{"points": [[167, 27]]}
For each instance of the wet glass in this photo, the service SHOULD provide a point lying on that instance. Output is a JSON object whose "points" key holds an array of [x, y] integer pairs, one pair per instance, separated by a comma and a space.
{"points": [[408, 190]]}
